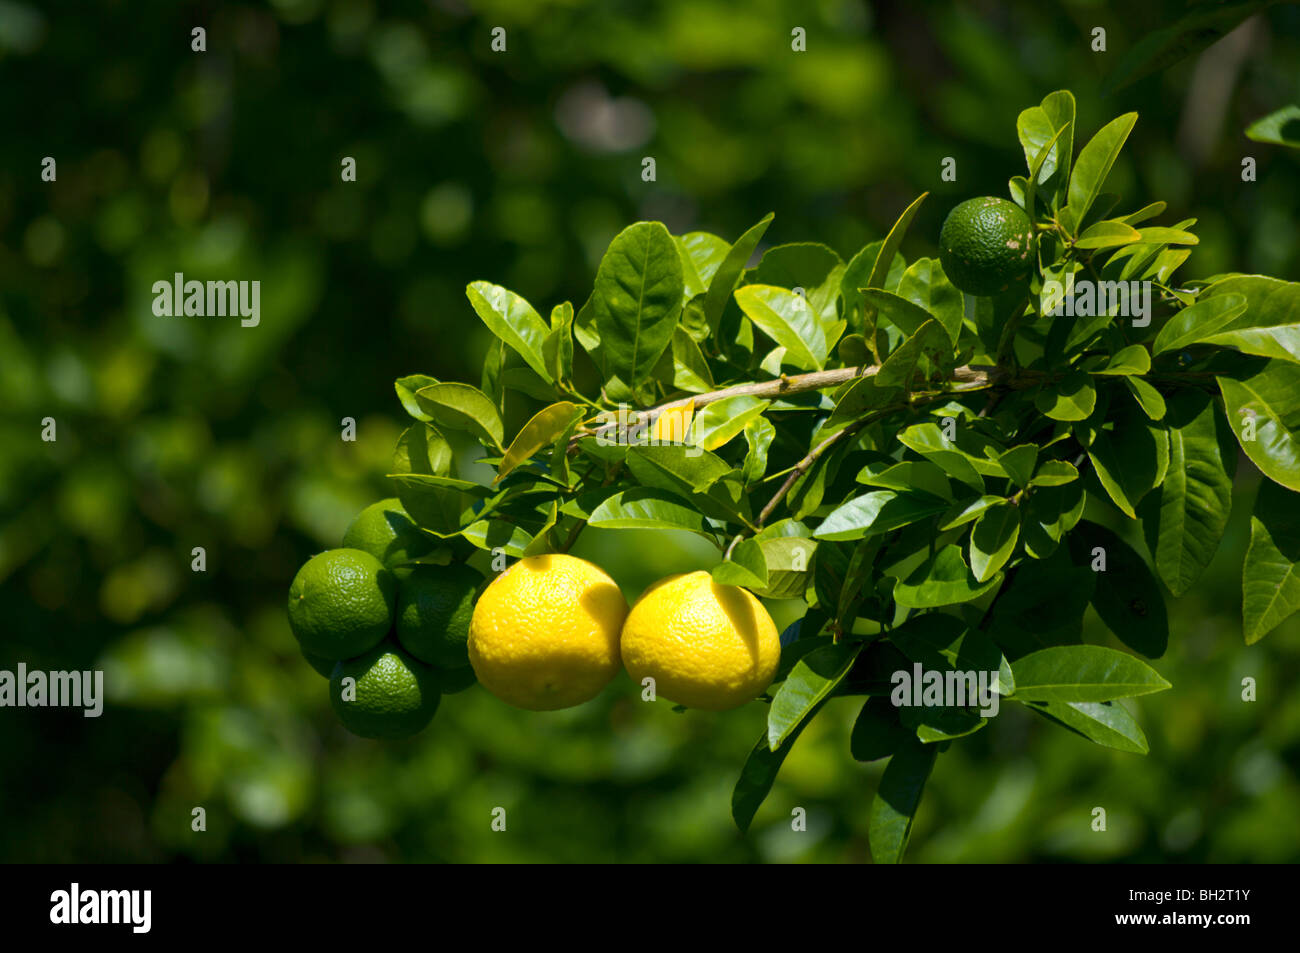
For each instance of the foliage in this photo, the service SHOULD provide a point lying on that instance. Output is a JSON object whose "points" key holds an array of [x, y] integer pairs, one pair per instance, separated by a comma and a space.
{"points": [[911, 461]]}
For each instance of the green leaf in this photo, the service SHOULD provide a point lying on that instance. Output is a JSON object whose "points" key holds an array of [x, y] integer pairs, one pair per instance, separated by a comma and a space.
{"points": [[462, 407], [1270, 325], [759, 433], [690, 370], [877, 731], [814, 267], [1082, 673], [1145, 213], [967, 511], [406, 388], [1055, 473], [942, 580], [1093, 166], [899, 794], [1189, 34], [1050, 124], [1127, 597], [729, 272], [557, 349], [678, 469], [1279, 128], [856, 275], [440, 504], [1019, 462], [513, 320], [1184, 518], [1148, 398], [1074, 397], [637, 299], [747, 567], [1052, 512], [788, 320], [1264, 413], [542, 542], [893, 241], [648, 508], [788, 560], [928, 440], [1204, 318], [908, 476], [1104, 723], [1270, 580], [875, 513], [992, 541], [809, 683], [927, 349], [422, 449], [723, 419], [491, 535], [1130, 460], [759, 773], [539, 432], [1157, 235], [702, 254], [903, 314], [1107, 234], [925, 285], [945, 643], [1134, 359]]}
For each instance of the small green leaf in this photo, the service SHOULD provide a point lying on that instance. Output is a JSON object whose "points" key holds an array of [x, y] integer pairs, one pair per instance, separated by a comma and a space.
{"points": [[539, 432], [1103, 723], [747, 567], [942, 580], [1107, 235], [1134, 359], [513, 320], [462, 407], [899, 794], [809, 683], [1093, 166], [877, 512], [1280, 128], [1074, 397], [992, 541], [637, 299], [406, 388], [1270, 581], [1264, 413], [724, 279], [789, 320], [648, 508], [893, 241], [723, 419]]}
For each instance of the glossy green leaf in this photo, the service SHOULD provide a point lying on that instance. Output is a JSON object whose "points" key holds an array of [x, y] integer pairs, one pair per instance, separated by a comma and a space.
{"points": [[462, 407], [747, 566], [722, 420], [759, 773], [1107, 235], [877, 512], [406, 388], [1264, 412], [540, 431], [702, 254], [809, 683], [967, 511], [1148, 398], [1204, 318], [1184, 518], [899, 794], [513, 320], [557, 349], [789, 320], [877, 731], [893, 241], [1103, 723], [690, 370], [648, 508], [942, 580], [729, 272], [908, 476], [637, 299], [1130, 460], [1074, 397], [1280, 128], [1270, 581], [992, 541], [925, 285], [1134, 359], [1083, 673], [1093, 166]]}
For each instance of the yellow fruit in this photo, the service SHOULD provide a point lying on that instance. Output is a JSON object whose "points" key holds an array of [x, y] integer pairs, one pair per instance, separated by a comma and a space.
{"points": [[705, 645], [545, 633]]}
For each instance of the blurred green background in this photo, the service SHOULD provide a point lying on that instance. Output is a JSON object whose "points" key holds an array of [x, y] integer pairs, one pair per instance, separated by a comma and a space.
{"points": [[519, 167]]}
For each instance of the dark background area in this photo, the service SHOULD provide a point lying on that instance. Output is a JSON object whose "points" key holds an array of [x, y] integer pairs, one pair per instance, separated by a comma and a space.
{"points": [[519, 167]]}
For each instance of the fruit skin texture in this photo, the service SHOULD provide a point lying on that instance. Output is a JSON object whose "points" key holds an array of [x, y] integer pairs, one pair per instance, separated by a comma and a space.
{"points": [[396, 695], [545, 633], [386, 531], [341, 603], [434, 608], [706, 645], [985, 245]]}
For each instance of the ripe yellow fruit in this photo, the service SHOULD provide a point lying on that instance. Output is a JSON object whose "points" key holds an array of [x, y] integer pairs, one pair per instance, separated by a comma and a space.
{"points": [[545, 633], [706, 645]]}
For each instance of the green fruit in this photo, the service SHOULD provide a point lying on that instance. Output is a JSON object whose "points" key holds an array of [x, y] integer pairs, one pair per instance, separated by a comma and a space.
{"points": [[985, 245], [434, 607], [392, 696], [453, 680], [387, 532], [341, 603]]}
